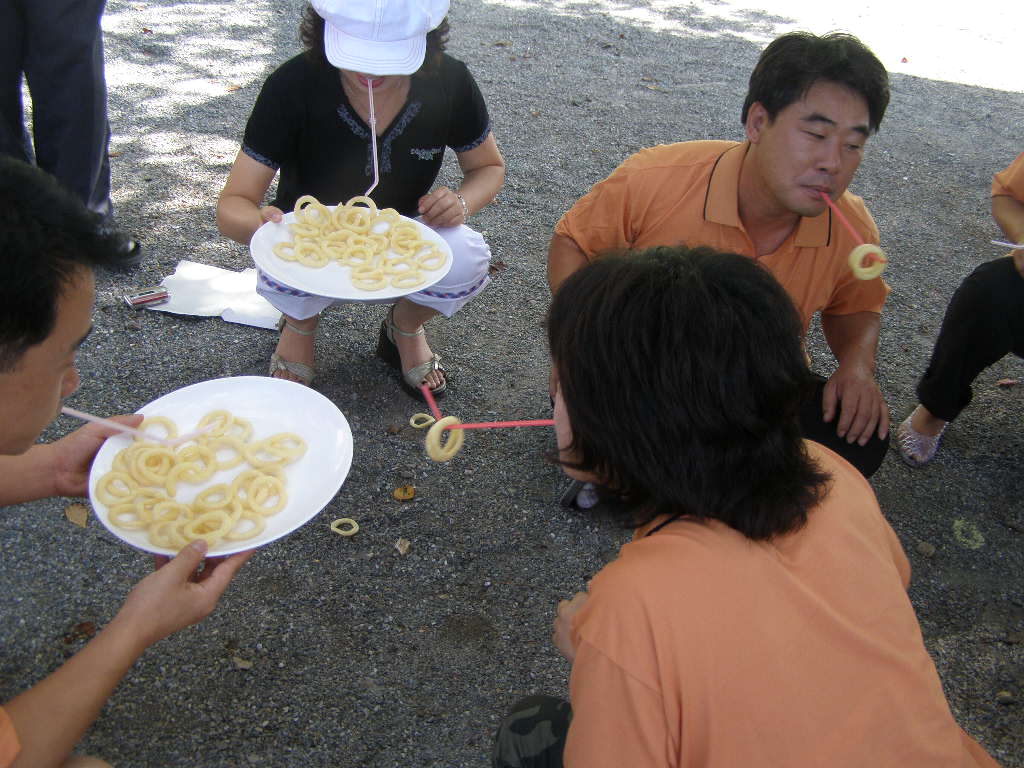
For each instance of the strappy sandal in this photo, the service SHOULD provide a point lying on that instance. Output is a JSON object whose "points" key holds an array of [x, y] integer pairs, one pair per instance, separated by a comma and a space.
{"points": [[915, 448], [305, 373], [412, 379]]}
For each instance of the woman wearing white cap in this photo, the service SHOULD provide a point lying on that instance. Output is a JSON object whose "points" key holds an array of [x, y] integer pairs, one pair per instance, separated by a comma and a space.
{"points": [[311, 121]]}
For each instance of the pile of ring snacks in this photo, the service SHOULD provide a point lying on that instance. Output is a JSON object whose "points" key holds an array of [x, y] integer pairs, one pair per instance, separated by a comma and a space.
{"points": [[380, 249], [145, 477]]}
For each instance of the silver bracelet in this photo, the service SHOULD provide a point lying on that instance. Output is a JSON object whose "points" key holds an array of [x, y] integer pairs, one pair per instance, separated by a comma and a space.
{"points": [[465, 206]]}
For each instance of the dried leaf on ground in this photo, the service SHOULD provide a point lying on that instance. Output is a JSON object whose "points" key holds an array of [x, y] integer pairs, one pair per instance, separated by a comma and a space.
{"points": [[497, 266], [241, 663], [1006, 383], [403, 545], [77, 514], [83, 630], [404, 493]]}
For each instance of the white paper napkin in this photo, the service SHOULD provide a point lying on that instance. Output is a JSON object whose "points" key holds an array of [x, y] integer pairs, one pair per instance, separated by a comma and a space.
{"points": [[207, 291]]}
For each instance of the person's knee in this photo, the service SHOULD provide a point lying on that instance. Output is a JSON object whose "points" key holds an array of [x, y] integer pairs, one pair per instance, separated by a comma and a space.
{"points": [[533, 734], [471, 257]]}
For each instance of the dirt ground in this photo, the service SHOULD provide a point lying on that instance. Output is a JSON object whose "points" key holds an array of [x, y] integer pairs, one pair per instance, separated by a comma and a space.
{"points": [[355, 655]]}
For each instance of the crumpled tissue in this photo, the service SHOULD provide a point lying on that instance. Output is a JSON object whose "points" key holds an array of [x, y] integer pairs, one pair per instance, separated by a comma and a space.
{"points": [[207, 291]]}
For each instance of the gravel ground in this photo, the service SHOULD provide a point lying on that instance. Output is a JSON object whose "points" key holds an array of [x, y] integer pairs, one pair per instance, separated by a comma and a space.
{"points": [[363, 657]]}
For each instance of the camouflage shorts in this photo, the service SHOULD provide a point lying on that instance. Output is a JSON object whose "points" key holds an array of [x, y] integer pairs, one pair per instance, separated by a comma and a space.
{"points": [[533, 734]]}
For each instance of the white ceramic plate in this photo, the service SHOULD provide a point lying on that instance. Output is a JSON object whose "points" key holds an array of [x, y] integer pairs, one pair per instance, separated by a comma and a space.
{"points": [[333, 280], [272, 406]]}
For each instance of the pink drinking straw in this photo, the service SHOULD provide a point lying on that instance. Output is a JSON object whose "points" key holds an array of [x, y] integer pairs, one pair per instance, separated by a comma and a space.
{"points": [[849, 227], [494, 424], [429, 397], [373, 139]]}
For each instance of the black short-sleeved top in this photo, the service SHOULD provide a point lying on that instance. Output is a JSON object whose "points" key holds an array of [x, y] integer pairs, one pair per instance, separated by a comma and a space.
{"points": [[304, 125]]}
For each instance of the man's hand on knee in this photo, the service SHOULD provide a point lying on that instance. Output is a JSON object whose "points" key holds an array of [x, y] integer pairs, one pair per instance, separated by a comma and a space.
{"points": [[853, 393]]}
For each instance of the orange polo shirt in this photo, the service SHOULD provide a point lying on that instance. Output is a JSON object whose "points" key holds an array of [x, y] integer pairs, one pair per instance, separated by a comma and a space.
{"points": [[1010, 180], [701, 648], [9, 744], [688, 194]]}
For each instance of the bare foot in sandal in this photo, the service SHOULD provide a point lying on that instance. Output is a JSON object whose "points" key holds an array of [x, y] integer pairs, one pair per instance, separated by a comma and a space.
{"points": [[294, 357], [412, 342]]}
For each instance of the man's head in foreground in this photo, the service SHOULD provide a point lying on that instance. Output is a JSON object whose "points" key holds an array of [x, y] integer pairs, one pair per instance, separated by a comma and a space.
{"points": [[812, 103], [49, 245]]}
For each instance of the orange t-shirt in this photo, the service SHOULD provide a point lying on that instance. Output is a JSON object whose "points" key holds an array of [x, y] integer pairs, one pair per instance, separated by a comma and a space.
{"points": [[9, 743], [1010, 180], [700, 647], [688, 194]]}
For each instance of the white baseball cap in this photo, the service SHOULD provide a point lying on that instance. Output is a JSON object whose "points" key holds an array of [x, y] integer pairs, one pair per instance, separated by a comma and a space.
{"points": [[378, 37]]}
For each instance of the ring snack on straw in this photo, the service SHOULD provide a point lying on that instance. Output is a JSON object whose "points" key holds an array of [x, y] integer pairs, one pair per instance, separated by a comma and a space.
{"points": [[875, 258], [447, 451], [140, 489], [359, 236]]}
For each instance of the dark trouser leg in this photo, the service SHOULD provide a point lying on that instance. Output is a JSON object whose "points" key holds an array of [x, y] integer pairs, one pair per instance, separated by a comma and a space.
{"points": [[867, 458], [13, 139], [984, 321], [533, 734], [64, 69]]}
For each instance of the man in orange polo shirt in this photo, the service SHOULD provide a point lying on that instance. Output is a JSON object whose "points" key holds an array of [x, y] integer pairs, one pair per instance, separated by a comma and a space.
{"points": [[811, 106]]}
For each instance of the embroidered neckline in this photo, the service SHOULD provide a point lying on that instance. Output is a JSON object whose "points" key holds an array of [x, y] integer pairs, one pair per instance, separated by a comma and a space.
{"points": [[345, 112]]}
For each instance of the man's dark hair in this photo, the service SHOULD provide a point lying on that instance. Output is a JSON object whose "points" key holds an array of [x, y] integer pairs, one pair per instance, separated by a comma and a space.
{"points": [[46, 237], [311, 33], [682, 373], [793, 63]]}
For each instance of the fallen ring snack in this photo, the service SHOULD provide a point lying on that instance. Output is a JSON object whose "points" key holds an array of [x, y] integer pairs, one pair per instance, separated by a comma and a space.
{"points": [[345, 526], [421, 420], [439, 452], [876, 261]]}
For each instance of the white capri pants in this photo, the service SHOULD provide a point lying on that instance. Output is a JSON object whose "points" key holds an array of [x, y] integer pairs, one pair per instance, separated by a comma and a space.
{"points": [[467, 277]]}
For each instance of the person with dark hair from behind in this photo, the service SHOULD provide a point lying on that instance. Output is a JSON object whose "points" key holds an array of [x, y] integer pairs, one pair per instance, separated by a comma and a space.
{"points": [[760, 615], [983, 323], [50, 245], [811, 106]]}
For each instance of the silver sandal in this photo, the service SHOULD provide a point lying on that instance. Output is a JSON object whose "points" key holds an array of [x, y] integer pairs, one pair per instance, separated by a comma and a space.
{"points": [[412, 379], [305, 373]]}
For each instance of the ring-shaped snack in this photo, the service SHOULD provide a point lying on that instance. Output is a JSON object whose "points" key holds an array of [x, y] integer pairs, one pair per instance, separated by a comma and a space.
{"points": [[285, 250], [876, 261], [421, 420], [433, 259], [116, 488], [345, 526], [410, 279], [447, 451], [170, 428]]}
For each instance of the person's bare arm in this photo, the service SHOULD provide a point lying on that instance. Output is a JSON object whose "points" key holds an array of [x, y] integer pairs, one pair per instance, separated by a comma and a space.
{"points": [[564, 258], [852, 389], [51, 717], [1009, 215], [240, 210], [483, 174], [60, 468]]}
